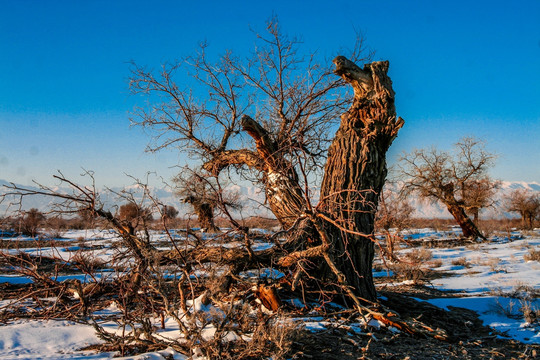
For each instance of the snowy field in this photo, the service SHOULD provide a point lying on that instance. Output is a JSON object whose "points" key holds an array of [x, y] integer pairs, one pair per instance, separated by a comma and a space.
{"points": [[492, 278]]}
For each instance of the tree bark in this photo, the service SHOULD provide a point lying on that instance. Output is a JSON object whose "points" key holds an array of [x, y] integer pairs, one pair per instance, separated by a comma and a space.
{"points": [[457, 209], [467, 226], [355, 173], [356, 170], [283, 192]]}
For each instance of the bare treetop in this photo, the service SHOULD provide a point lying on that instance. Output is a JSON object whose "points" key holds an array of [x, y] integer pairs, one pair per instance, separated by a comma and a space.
{"points": [[292, 97]]}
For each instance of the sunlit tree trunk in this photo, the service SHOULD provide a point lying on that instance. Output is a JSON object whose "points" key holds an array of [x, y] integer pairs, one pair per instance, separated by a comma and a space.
{"points": [[282, 189], [355, 173], [356, 170], [468, 227]]}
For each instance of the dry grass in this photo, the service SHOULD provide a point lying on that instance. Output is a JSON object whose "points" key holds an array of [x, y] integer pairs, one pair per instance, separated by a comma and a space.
{"points": [[462, 261], [522, 309], [492, 262], [532, 255], [531, 313], [407, 271], [415, 265], [435, 263], [419, 255]]}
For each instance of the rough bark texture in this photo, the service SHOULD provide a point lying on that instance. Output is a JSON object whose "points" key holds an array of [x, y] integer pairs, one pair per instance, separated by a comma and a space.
{"points": [[457, 209], [340, 235], [467, 226], [356, 170], [283, 192], [284, 195]]}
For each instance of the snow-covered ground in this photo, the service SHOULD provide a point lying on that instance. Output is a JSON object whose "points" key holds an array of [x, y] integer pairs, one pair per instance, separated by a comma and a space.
{"points": [[38, 339], [491, 278]]}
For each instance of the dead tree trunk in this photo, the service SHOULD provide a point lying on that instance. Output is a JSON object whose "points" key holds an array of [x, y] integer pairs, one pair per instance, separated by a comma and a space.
{"points": [[356, 170], [341, 228], [527, 218]]}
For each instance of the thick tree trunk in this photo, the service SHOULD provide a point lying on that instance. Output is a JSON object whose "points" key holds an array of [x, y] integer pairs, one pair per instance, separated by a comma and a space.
{"points": [[340, 231], [467, 226], [457, 209], [355, 171]]}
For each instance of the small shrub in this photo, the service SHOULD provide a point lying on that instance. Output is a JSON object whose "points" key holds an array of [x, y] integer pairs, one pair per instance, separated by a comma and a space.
{"points": [[510, 310], [462, 261], [493, 264], [531, 313], [436, 263], [419, 255], [520, 291], [526, 311], [414, 266], [408, 271], [533, 255], [87, 262], [31, 221]]}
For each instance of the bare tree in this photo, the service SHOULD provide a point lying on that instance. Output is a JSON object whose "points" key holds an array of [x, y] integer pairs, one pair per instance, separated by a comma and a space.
{"points": [[459, 180], [297, 103], [133, 215], [133, 212], [30, 221], [330, 244], [169, 212], [526, 204], [327, 245], [206, 195]]}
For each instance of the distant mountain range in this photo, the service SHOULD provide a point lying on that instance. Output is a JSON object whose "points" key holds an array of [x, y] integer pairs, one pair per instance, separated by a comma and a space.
{"points": [[251, 197]]}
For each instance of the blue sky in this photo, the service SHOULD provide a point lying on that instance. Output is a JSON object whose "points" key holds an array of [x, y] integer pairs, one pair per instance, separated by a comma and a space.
{"points": [[459, 68]]}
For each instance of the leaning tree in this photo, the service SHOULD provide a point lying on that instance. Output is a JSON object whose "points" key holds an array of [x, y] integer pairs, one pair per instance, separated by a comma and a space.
{"points": [[269, 119], [458, 180]]}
